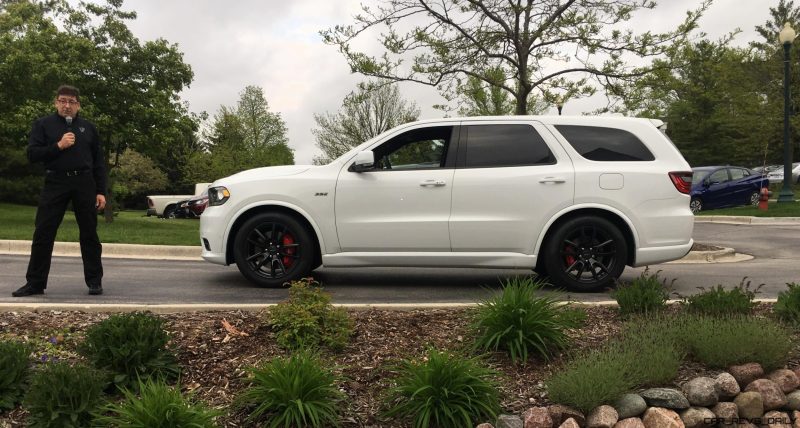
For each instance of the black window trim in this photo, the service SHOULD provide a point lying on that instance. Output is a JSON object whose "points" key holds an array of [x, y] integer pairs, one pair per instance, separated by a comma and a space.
{"points": [[461, 162], [450, 150]]}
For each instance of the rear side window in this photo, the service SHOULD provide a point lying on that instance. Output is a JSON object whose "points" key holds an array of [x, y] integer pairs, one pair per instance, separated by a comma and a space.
{"points": [[505, 145], [605, 144]]}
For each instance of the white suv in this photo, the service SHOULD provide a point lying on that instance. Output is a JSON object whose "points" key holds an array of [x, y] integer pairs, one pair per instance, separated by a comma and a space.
{"points": [[575, 197]]}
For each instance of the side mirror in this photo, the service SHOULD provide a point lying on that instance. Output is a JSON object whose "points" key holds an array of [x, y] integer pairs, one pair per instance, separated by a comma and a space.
{"points": [[363, 161]]}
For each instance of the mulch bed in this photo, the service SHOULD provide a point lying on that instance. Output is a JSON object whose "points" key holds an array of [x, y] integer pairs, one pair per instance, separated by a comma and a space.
{"points": [[214, 357]]}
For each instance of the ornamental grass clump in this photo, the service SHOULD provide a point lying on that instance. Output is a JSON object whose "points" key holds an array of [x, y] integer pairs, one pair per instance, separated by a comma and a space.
{"points": [[295, 391], [157, 405], [132, 347], [521, 323], [14, 369], [64, 396], [443, 390], [645, 294], [787, 308], [308, 320], [717, 301]]}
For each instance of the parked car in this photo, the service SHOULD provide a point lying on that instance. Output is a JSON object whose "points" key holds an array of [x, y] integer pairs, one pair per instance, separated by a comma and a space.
{"points": [[576, 197], [776, 176], [766, 169], [194, 207], [166, 205], [725, 186]]}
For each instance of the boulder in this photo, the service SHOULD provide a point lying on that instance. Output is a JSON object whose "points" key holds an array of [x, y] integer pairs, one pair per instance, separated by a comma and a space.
{"points": [[746, 373], [775, 419], [509, 421], [630, 423], [793, 401], [726, 411], [537, 417], [665, 397], [697, 417], [701, 391], [659, 417], [750, 405], [630, 405], [569, 423], [485, 425], [796, 416], [786, 380], [726, 385], [559, 414], [602, 417], [772, 395]]}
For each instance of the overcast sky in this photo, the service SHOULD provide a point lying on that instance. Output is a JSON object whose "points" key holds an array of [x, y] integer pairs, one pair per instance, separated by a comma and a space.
{"points": [[275, 44]]}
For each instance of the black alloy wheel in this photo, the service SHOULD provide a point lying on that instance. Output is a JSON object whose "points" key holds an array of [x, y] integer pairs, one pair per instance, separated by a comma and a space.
{"points": [[586, 254], [273, 249]]}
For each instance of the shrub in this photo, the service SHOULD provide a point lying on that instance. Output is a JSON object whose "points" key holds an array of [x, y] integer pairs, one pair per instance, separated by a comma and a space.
{"points": [[443, 390], [14, 368], [787, 307], [520, 323], [156, 406], [64, 396], [131, 347], [293, 391], [645, 294], [720, 302], [308, 319]]}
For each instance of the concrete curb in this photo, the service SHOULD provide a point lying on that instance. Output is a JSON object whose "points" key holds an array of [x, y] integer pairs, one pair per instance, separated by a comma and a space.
{"points": [[122, 251], [725, 255], [747, 220]]}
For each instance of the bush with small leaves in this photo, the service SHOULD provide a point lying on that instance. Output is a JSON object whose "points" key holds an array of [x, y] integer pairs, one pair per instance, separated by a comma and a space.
{"points": [[64, 396], [443, 390], [645, 294], [296, 391], [131, 347], [308, 320], [157, 405], [521, 323], [14, 369], [787, 308], [717, 301]]}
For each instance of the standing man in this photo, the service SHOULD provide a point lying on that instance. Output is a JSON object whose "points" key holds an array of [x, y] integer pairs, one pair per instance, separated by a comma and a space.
{"points": [[72, 155]]}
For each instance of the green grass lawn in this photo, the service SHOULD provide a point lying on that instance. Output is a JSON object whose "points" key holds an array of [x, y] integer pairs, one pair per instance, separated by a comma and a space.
{"points": [[129, 227], [788, 209]]}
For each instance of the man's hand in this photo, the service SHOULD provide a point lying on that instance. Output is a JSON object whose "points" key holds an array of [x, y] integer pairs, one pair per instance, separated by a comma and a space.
{"points": [[101, 202], [67, 141]]}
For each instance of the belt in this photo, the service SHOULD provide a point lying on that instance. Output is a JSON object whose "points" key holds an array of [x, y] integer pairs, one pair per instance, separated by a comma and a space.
{"points": [[67, 173]]}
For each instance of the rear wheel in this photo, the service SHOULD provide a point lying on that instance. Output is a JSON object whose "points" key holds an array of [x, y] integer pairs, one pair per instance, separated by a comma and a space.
{"points": [[753, 199], [586, 254], [696, 205], [169, 211], [273, 249]]}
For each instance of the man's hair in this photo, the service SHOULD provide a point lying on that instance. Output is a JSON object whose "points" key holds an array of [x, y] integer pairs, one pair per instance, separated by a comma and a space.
{"points": [[68, 90]]}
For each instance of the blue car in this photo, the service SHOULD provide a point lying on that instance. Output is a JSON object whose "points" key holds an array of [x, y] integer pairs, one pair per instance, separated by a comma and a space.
{"points": [[725, 186]]}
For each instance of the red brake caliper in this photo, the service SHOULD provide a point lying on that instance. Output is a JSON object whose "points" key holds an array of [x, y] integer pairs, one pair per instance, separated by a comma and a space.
{"points": [[570, 258], [288, 240]]}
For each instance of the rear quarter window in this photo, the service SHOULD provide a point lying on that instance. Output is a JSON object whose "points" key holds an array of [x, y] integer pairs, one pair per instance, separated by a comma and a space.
{"points": [[603, 144]]}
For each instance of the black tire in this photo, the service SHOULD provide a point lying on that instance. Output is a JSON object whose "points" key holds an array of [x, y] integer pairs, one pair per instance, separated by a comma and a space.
{"points": [[585, 254], [169, 212], [273, 249], [753, 199], [696, 205]]}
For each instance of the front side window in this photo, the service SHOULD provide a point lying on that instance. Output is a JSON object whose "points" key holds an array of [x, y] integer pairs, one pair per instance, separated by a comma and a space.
{"points": [[505, 146], [423, 148], [598, 143], [719, 176], [738, 173]]}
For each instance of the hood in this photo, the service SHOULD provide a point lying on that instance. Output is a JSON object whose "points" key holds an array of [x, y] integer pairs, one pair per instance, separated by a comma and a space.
{"points": [[266, 172]]}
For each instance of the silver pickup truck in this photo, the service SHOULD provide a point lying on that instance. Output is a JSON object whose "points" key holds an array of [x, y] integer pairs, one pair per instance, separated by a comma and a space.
{"points": [[165, 205]]}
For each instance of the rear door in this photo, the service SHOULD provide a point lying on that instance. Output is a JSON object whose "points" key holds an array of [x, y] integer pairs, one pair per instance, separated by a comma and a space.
{"points": [[717, 191]]}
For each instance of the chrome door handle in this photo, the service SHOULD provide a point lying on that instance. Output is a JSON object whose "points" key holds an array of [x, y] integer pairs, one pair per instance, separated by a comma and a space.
{"points": [[552, 180], [432, 183]]}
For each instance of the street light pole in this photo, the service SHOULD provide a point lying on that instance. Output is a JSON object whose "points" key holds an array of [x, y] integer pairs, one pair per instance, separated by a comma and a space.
{"points": [[786, 38]]}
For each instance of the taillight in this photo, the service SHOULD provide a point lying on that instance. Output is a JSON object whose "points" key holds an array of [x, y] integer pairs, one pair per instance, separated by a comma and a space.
{"points": [[682, 181], [149, 202]]}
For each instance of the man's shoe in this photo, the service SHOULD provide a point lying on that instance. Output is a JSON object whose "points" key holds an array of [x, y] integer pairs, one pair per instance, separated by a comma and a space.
{"points": [[95, 290], [27, 290]]}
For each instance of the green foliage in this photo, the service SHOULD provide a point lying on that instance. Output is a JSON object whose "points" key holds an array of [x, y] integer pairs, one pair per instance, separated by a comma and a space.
{"points": [[717, 301], [157, 405], [307, 318], [443, 390], [787, 307], [135, 177], [14, 369], [521, 323], [645, 294], [132, 347], [296, 391], [64, 396]]}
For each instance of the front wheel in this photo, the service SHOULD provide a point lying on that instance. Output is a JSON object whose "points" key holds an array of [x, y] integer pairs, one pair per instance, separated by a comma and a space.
{"points": [[586, 254], [696, 205], [273, 249]]}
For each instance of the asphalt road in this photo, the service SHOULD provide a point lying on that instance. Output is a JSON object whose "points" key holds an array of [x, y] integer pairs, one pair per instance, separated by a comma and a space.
{"points": [[776, 250]]}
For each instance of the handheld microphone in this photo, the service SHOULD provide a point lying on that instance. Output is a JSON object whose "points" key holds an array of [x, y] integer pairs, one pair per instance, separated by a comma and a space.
{"points": [[69, 123]]}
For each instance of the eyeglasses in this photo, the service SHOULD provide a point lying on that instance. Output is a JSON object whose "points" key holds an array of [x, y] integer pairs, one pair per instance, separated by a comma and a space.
{"points": [[67, 102]]}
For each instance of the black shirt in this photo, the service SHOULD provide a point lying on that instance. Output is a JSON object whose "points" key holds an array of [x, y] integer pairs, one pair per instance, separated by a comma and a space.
{"points": [[86, 154]]}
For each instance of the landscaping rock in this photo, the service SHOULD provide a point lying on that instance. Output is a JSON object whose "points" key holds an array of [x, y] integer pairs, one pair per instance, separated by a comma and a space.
{"points": [[665, 397], [797, 372], [796, 416], [602, 417], [697, 417], [630, 423], [630, 405], [726, 385], [509, 421], [772, 395], [569, 423], [701, 391], [786, 380], [775, 419], [537, 417], [726, 411], [746, 373], [485, 425], [560, 414], [659, 417], [750, 405], [793, 401]]}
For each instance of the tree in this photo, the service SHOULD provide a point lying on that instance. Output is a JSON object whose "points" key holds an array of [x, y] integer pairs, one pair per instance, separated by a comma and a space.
{"points": [[136, 176], [452, 40], [365, 113]]}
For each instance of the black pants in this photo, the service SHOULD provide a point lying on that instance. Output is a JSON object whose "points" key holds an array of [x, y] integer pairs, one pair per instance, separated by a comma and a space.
{"points": [[59, 189]]}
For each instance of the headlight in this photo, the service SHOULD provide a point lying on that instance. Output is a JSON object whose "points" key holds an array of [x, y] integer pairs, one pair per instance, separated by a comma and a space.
{"points": [[218, 195]]}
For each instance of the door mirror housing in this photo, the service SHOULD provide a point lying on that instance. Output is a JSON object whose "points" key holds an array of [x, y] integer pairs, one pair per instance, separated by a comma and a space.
{"points": [[363, 161]]}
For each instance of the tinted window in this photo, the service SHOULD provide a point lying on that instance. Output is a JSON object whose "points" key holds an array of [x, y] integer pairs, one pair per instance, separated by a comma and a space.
{"points": [[505, 145], [738, 173], [719, 176], [605, 144], [416, 149]]}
